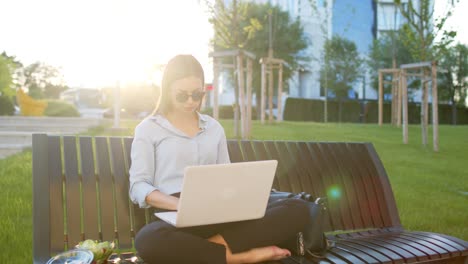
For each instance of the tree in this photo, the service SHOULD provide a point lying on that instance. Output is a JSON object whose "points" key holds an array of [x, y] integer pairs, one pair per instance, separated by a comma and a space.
{"points": [[382, 53], [420, 36], [245, 25], [453, 79], [342, 67], [5, 77], [8, 67], [421, 32], [287, 41], [43, 81]]}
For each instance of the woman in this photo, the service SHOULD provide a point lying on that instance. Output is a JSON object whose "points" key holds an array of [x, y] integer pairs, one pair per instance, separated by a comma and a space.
{"points": [[177, 136]]}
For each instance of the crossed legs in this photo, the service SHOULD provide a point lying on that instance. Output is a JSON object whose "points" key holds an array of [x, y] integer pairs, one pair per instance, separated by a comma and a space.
{"points": [[250, 241]]}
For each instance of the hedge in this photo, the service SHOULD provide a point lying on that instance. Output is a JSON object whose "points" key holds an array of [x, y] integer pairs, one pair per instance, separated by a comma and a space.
{"points": [[300, 109]]}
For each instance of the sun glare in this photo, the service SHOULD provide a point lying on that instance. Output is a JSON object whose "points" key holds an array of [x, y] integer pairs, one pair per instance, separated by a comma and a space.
{"points": [[100, 43]]}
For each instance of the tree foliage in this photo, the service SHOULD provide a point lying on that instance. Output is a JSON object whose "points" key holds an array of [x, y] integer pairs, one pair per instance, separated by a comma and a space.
{"points": [[8, 66], [381, 55], [422, 30], [246, 25], [43, 81], [453, 83], [342, 66]]}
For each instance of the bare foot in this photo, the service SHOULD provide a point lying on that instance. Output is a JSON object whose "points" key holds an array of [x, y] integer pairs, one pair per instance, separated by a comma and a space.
{"points": [[257, 255], [254, 255]]}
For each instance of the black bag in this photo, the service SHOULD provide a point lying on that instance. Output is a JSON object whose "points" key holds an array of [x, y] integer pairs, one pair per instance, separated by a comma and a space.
{"points": [[312, 240]]}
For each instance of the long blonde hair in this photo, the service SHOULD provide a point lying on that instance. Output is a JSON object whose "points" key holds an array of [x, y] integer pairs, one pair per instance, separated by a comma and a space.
{"points": [[179, 67]]}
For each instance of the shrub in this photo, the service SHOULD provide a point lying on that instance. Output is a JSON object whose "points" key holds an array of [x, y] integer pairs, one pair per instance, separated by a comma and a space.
{"points": [[60, 108], [6, 106]]}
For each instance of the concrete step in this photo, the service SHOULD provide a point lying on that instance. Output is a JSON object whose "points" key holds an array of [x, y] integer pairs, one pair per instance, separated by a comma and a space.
{"points": [[60, 121], [24, 138], [53, 128]]}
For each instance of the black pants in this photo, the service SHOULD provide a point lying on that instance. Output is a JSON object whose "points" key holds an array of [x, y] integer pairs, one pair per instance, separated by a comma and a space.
{"points": [[162, 243]]}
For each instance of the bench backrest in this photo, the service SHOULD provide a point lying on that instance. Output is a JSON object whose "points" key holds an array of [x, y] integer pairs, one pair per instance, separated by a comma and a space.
{"points": [[80, 187]]}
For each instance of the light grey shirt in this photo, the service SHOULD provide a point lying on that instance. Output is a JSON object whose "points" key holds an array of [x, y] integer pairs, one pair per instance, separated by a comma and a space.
{"points": [[160, 152]]}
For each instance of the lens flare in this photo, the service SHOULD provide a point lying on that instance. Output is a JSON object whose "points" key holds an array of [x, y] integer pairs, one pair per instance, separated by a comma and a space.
{"points": [[334, 192]]}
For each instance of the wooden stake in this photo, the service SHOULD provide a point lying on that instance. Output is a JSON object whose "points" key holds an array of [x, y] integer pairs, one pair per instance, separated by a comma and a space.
{"points": [[270, 95], [435, 108], [399, 90], [280, 93], [263, 94], [424, 106], [404, 90], [240, 78], [249, 97], [380, 100]]}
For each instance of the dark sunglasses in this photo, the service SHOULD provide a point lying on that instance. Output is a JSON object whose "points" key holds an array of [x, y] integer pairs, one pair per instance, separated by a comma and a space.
{"points": [[182, 97]]}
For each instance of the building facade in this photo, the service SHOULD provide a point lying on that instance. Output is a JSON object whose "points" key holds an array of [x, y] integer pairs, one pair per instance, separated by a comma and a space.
{"points": [[360, 21]]}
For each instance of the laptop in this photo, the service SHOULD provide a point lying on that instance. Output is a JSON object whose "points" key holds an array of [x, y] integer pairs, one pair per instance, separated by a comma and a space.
{"points": [[221, 193]]}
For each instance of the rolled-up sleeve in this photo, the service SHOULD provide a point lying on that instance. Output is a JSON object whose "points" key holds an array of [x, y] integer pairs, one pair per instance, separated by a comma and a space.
{"points": [[142, 168], [223, 154]]}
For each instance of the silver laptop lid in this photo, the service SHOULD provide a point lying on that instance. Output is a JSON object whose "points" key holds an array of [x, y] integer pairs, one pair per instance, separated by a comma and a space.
{"points": [[225, 192]]}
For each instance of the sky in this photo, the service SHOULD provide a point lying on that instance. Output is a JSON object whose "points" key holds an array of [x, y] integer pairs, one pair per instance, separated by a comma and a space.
{"points": [[103, 42]]}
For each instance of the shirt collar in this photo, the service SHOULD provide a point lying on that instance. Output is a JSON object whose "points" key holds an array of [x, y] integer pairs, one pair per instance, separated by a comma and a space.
{"points": [[162, 121]]}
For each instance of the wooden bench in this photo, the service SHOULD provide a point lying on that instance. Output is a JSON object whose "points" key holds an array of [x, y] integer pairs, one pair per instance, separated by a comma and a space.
{"points": [[80, 191]]}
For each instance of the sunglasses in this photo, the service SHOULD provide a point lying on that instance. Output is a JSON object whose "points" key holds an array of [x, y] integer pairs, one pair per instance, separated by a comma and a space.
{"points": [[182, 97]]}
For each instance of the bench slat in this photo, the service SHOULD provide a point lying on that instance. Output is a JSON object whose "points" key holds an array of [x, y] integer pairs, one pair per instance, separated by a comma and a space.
{"points": [[247, 150], [367, 176], [314, 174], [426, 245], [348, 256], [138, 214], [349, 178], [382, 250], [409, 247], [105, 190], [361, 255], [235, 153], [57, 238], [330, 257], [436, 243], [340, 178], [334, 207], [384, 219], [41, 184], [392, 217], [399, 248], [89, 185], [262, 154], [454, 242], [72, 191], [290, 166], [358, 186], [281, 173], [294, 153], [381, 258], [121, 193]]}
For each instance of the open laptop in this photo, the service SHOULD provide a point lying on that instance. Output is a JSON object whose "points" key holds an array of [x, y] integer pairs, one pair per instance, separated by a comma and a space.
{"points": [[221, 193]]}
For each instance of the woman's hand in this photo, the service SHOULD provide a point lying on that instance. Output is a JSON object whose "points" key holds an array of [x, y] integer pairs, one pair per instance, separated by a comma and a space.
{"points": [[163, 201]]}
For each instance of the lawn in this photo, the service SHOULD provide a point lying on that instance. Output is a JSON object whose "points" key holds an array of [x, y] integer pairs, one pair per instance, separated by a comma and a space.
{"points": [[431, 189]]}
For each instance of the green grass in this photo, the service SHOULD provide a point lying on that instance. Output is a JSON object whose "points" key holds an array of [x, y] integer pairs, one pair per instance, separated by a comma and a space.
{"points": [[431, 189]]}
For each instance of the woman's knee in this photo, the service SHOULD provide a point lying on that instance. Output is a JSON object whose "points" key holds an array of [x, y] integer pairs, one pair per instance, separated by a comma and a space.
{"points": [[151, 241]]}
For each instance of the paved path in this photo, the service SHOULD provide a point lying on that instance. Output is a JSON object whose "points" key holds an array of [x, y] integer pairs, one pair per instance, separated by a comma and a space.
{"points": [[16, 131]]}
